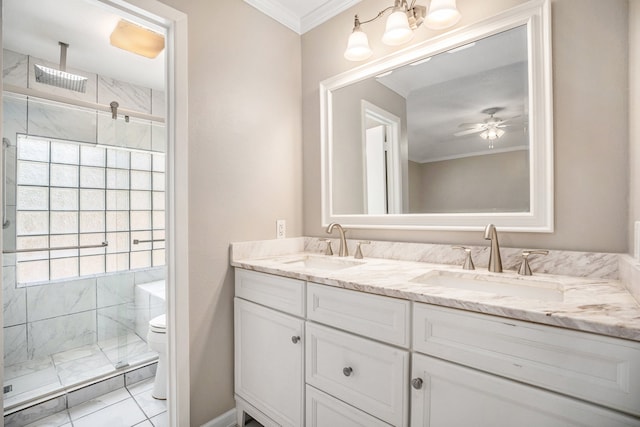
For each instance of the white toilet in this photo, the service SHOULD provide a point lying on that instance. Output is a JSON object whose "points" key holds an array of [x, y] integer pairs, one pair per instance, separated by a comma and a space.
{"points": [[157, 340]]}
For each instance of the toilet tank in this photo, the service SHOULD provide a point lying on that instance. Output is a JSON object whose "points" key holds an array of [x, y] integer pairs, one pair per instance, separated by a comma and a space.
{"points": [[150, 301]]}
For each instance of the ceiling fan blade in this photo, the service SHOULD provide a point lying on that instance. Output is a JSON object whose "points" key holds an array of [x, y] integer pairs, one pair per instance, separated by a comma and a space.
{"points": [[470, 125], [468, 132], [509, 119]]}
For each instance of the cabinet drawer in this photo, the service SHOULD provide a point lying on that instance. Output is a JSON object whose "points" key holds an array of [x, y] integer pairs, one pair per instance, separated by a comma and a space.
{"points": [[327, 411], [381, 318], [281, 293], [363, 373], [595, 368]]}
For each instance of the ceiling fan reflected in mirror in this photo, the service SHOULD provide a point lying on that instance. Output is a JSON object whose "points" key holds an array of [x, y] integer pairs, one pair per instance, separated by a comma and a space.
{"points": [[490, 128]]}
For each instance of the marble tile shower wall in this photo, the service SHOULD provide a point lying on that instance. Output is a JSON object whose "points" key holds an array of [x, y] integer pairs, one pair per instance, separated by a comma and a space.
{"points": [[40, 320]]}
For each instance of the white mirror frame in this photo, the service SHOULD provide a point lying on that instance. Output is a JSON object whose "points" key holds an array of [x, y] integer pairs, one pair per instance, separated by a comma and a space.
{"points": [[536, 15]]}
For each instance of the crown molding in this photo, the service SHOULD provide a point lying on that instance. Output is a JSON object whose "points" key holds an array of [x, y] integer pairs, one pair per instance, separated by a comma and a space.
{"points": [[326, 11], [276, 11], [301, 24]]}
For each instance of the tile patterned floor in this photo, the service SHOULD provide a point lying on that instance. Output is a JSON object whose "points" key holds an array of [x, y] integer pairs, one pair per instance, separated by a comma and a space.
{"points": [[69, 368], [125, 407]]}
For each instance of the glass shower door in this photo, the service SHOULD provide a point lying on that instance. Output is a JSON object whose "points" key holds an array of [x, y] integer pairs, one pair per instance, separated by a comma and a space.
{"points": [[115, 296]]}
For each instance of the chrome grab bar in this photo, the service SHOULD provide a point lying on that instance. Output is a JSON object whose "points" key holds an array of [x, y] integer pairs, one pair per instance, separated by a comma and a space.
{"points": [[137, 242], [61, 248], [5, 144]]}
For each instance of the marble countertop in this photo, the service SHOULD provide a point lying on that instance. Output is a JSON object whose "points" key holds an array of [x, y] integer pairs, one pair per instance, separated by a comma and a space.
{"points": [[601, 306]]}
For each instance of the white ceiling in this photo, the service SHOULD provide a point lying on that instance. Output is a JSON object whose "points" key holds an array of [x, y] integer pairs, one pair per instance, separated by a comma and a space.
{"points": [[302, 15], [34, 27]]}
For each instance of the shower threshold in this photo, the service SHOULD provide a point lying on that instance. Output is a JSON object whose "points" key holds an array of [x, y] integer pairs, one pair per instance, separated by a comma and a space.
{"points": [[36, 380]]}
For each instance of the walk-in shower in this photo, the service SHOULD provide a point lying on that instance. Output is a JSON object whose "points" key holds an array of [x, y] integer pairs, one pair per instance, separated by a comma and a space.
{"points": [[83, 217], [86, 230]]}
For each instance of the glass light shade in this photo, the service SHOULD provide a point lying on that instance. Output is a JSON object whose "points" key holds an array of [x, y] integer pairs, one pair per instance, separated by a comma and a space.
{"points": [[358, 46], [397, 30], [442, 14], [136, 39], [492, 134]]}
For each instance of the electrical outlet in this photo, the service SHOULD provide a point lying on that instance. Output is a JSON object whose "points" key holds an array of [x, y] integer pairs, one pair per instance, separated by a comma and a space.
{"points": [[281, 228]]}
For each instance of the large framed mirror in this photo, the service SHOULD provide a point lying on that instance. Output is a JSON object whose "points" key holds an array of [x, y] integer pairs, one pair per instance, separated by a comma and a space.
{"points": [[449, 134]]}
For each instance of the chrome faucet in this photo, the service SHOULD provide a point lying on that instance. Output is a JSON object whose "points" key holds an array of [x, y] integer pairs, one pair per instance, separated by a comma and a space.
{"points": [[343, 251], [495, 262]]}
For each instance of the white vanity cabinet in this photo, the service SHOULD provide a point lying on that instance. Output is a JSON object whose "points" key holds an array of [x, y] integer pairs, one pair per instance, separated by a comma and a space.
{"points": [[320, 356], [551, 368], [269, 349]]}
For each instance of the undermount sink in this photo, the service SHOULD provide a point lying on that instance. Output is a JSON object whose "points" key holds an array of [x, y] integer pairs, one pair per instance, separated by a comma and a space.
{"points": [[522, 288], [322, 263]]}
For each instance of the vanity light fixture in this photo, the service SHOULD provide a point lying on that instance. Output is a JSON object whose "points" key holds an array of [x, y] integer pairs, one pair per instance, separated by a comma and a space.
{"points": [[442, 14], [401, 24]]}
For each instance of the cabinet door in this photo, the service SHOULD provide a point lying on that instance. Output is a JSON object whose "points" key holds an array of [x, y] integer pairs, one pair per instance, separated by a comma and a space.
{"points": [[269, 362], [590, 367], [451, 395]]}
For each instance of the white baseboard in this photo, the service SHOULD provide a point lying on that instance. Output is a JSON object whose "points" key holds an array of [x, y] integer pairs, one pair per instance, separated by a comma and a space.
{"points": [[228, 419]]}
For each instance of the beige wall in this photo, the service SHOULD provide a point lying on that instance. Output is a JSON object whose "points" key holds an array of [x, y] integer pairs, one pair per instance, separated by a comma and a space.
{"points": [[590, 72], [245, 170], [452, 185], [416, 193], [634, 115]]}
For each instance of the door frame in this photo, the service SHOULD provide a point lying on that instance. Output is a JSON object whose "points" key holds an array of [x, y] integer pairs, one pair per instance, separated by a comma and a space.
{"points": [[177, 297], [392, 123]]}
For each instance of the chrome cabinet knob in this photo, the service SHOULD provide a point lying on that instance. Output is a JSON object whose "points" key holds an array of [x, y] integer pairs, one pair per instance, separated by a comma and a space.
{"points": [[416, 383], [295, 339], [347, 371]]}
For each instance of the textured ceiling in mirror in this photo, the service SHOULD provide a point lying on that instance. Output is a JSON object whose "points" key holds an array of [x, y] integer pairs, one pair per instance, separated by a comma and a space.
{"points": [[450, 91]]}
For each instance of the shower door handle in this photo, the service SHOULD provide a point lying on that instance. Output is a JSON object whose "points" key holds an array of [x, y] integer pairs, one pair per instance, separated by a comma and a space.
{"points": [[5, 144]]}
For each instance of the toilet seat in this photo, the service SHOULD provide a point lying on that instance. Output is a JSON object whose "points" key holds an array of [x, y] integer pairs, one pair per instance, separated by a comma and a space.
{"points": [[158, 324]]}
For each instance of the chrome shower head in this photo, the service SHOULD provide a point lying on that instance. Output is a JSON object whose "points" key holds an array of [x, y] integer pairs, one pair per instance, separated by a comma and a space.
{"points": [[53, 77], [60, 78]]}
